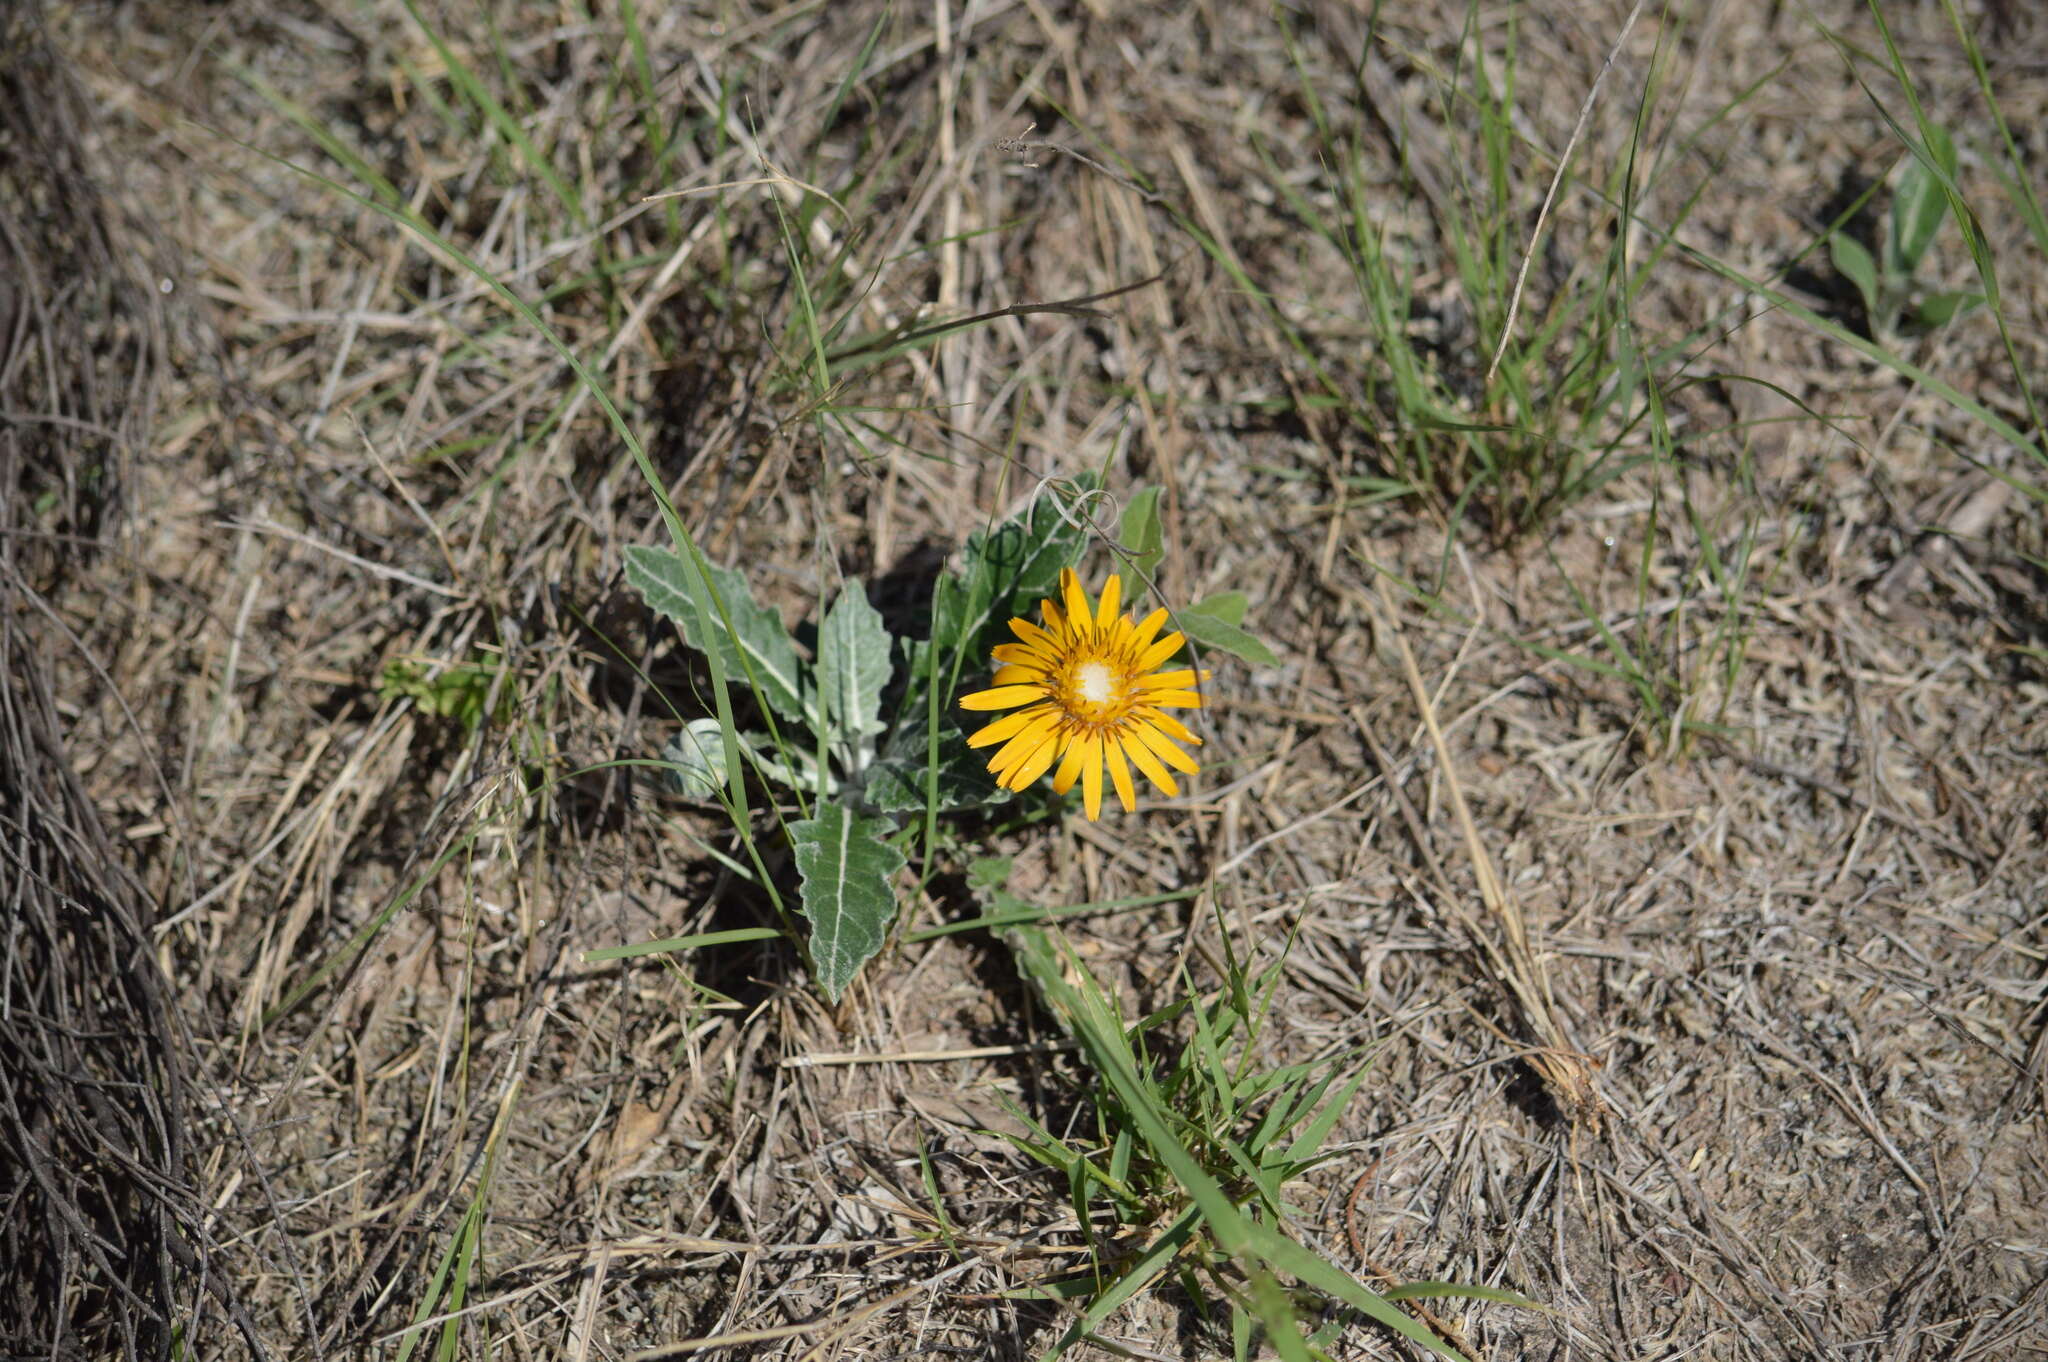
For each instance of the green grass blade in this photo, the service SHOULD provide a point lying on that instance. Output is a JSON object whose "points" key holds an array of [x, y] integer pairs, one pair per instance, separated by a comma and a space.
{"points": [[500, 119], [1101, 1037], [1156, 1258], [369, 930], [1030, 915], [1317, 1132], [314, 128], [1869, 349], [669, 944]]}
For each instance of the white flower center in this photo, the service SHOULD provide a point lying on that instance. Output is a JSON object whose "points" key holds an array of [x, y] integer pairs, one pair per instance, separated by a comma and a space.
{"points": [[1096, 682]]}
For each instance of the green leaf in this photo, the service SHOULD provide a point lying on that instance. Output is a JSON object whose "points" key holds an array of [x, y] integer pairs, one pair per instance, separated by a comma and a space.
{"points": [[1074, 998], [1214, 623], [896, 783], [986, 874], [1146, 1268], [987, 878], [1869, 349], [846, 865], [1939, 309], [696, 756], [459, 691], [1309, 1143], [1853, 263], [748, 637], [511, 129], [1006, 571], [1140, 533], [1919, 204], [1226, 606], [853, 665]]}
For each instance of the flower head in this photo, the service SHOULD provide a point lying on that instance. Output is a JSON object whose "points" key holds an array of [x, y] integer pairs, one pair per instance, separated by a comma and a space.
{"points": [[1090, 699]]}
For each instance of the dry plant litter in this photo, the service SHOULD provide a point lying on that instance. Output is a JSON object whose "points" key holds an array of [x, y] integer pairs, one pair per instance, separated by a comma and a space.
{"points": [[1622, 817]]}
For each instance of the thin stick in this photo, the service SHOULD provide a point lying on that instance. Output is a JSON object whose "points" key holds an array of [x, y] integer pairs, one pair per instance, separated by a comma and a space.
{"points": [[1563, 1068], [923, 1056]]}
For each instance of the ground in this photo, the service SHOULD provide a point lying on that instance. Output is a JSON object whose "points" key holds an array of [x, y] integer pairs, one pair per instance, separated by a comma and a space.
{"points": [[1654, 799]]}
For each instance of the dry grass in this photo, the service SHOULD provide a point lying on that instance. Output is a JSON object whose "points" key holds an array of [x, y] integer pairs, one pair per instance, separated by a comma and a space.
{"points": [[1723, 1044]]}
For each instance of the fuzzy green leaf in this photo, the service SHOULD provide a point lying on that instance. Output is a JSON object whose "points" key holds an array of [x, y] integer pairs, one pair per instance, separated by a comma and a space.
{"points": [[846, 865], [987, 874], [458, 692], [1214, 623], [696, 755], [749, 638], [1226, 606], [853, 665]]}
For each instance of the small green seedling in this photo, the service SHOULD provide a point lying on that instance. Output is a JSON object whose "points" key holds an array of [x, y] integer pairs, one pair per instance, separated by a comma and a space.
{"points": [[1891, 287], [460, 691]]}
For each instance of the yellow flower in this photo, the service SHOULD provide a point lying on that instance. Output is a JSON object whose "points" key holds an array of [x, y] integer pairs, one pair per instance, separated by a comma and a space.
{"points": [[1091, 698]]}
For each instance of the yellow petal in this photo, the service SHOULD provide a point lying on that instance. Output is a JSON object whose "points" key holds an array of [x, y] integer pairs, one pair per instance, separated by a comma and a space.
{"points": [[1170, 680], [1168, 724], [1142, 638], [1021, 653], [1149, 764], [1164, 749], [1008, 755], [1181, 699], [1034, 636], [1002, 697], [1076, 602], [1091, 777], [1070, 766], [1112, 596], [1025, 742], [1160, 651], [1120, 772], [1055, 623], [1034, 765], [1009, 726], [1012, 673]]}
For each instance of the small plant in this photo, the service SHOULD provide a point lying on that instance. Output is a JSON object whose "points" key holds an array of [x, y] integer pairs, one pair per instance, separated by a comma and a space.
{"points": [[1890, 284], [1188, 1174], [1482, 388], [864, 731], [461, 691]]}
